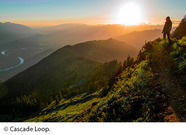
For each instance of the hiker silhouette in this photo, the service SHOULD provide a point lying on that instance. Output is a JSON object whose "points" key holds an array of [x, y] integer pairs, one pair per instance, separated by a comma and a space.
{"points": [[167, 28]]}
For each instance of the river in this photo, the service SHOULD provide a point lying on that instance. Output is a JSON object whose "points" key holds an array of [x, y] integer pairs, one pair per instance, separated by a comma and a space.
{"points": [[12, 67]]}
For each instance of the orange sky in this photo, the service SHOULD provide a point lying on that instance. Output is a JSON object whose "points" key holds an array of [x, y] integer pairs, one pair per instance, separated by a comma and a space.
{"points": [[35, 13]]}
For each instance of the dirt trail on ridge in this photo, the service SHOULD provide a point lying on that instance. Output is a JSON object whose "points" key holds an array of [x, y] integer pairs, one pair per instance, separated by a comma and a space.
{"points": [[174, 108]]}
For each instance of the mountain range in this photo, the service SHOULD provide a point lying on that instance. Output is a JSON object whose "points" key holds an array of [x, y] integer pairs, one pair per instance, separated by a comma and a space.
{"points": [[77, 33], [32, 45]]}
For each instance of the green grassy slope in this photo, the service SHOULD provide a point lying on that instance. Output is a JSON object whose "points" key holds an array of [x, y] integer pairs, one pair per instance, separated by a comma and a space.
{"points": [[150, 89], [67, 109]]}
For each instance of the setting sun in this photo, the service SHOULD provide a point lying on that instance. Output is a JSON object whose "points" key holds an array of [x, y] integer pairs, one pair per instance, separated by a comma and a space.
{"points": [[129, 14]]}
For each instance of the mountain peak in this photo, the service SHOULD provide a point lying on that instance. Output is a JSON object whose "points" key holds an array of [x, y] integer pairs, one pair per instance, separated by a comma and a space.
{"points": [[184, 18], [180, 30]]}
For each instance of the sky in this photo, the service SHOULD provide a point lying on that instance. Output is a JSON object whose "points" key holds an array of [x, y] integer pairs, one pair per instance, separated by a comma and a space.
{"points": [[54, 12]]}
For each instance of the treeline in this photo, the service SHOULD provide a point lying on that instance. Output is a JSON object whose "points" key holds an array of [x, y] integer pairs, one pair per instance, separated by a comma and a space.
{"points": [[128, 63]]}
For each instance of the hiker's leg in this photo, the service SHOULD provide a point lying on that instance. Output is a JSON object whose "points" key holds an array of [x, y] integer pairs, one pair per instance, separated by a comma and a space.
{"points": [[164, 34], [168, 35]]}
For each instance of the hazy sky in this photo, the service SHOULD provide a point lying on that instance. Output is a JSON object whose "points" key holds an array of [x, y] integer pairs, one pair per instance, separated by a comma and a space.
{"points": [[52, 12]]}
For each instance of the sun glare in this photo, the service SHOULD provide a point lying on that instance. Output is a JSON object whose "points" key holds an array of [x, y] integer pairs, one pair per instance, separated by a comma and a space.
{"points": [[129, 14]]}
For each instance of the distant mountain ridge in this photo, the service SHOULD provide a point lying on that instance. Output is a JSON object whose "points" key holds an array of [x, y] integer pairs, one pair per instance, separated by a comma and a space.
{"points": [[11, 31], [77, 33], [138, 38]]}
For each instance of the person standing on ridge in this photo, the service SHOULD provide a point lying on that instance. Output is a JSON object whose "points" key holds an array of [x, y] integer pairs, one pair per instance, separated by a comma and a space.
{"points": [[167, 28]]}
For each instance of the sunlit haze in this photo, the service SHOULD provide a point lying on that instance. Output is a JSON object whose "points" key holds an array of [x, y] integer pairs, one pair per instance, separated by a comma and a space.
{"points": [[55, 12], [129, 14]]}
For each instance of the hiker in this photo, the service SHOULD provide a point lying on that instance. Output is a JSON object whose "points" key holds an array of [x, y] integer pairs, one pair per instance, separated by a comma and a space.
{"points": [[167, 28]]}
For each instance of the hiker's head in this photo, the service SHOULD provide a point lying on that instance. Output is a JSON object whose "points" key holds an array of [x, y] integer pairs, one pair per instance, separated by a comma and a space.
{"points": [[168, 18]]}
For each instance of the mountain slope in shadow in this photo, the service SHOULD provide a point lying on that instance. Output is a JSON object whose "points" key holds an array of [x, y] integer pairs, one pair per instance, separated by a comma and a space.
{"points": [[70, 71]]}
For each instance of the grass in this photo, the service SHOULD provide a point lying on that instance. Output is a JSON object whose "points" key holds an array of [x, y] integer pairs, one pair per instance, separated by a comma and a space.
{"points": [[67, 109]]}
